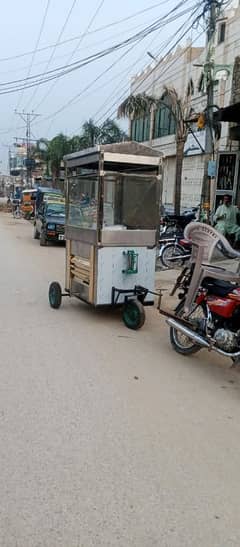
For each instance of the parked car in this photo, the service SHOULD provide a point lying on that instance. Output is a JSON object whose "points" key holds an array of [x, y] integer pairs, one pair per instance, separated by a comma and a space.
{"points": [[43, 194], [49, 223]]}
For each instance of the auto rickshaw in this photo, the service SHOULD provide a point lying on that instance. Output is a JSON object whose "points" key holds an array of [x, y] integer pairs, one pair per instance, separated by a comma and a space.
{"points": [[28, 202], [112, 212]]}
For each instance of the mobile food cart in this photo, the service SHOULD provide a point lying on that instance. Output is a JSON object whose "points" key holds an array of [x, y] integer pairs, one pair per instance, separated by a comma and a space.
{"points": [[112, 212]]}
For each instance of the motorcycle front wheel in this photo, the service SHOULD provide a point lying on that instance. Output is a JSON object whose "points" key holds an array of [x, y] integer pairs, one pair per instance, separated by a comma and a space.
{"points": [[179, 341], [171, 256]]}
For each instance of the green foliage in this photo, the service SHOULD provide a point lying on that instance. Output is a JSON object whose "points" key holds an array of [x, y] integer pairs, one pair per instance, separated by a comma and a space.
{"points": [[52, 152], [136, 106]]}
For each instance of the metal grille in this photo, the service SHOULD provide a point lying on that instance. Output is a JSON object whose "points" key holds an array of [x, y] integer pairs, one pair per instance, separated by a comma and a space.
{"points": [[60, 229]]}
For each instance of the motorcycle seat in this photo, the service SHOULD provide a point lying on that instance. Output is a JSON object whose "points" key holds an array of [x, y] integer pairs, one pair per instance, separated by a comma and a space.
{"points": [[217, 287]]}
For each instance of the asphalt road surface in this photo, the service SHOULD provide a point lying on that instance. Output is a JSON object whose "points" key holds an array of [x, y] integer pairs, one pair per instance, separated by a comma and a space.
{"points": [[107, 437]]}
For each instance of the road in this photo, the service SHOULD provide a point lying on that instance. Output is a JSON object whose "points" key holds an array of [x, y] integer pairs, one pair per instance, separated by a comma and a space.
{"points": [[107, 437]]}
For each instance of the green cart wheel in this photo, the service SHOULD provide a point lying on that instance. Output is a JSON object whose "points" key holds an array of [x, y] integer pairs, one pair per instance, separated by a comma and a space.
{"points": [[133, 314], [55, 295]]}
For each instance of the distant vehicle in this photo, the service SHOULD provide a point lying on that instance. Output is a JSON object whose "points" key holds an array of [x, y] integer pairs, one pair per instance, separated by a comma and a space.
{"points": [[49, 224], [28, 203]]}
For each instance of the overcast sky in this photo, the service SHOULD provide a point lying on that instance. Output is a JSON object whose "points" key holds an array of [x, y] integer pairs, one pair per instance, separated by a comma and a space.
{"points": [[20, 26]]}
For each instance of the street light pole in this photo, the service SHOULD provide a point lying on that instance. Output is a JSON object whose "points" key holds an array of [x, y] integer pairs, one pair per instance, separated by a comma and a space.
{"points": [[28, 118], [209, 79]]}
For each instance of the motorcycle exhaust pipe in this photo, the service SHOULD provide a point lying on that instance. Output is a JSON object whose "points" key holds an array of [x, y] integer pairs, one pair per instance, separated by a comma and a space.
{"points": [[199, 339], [189, 333]]}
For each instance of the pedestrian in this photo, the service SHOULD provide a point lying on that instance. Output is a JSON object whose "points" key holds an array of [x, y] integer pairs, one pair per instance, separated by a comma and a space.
{"points": [[226, 218]]}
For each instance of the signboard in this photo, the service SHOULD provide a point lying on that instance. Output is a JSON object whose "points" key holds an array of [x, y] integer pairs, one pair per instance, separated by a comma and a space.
{"points": [[192, 145], [212, 168], [30, 163], [21, 149]]}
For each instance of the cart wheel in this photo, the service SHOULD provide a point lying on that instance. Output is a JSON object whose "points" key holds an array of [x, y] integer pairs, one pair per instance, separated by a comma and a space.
{"points": [[55, 295], [133, 314]]}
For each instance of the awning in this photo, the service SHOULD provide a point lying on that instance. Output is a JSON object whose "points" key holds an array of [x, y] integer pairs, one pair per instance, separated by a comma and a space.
{"points": [[229, 114]]}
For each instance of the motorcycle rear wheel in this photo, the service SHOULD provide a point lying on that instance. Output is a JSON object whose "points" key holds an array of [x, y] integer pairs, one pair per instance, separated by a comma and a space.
{"points": [[181, 343], [171, 256]]}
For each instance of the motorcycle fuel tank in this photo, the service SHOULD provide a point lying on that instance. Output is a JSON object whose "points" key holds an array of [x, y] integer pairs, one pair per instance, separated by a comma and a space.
{"points": [[222, 306]]}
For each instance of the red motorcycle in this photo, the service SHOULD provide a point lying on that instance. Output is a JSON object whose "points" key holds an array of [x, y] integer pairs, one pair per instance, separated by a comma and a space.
{"points": [[208, 315]]}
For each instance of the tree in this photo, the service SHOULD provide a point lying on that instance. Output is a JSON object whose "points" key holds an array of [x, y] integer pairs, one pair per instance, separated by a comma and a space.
{"points": [[76, 143], [140, 105], [57, 148], [136, 106], [107, 133], [110, 132], [51, 152], [90, 133], [179, 109]]}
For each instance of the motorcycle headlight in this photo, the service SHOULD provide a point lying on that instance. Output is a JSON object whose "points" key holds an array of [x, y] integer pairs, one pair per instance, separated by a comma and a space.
{"points": [[51, 226]]}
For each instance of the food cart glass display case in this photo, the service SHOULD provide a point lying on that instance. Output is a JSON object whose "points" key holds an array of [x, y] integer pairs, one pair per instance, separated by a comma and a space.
{"points": [[112, 201]]}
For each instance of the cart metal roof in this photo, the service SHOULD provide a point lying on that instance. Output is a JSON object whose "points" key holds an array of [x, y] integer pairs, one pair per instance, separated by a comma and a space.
{"points": [[118, 155]]}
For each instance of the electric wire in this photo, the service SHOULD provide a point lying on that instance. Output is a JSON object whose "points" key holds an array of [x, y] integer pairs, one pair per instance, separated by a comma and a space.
{"points": [[60, 71], [117, 102], [89, 46], [126, 88], [112, 105], [76, 97], [99, 6], [104, 27], [84, 90], [166, 43], [54, 49], [36, 46]]}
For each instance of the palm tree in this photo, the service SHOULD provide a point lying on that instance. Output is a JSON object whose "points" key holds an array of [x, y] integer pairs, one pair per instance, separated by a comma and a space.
{"points": [[57, 148], [179, 109], [78, 142], [110, 132], [136, 106], [140, 105], [52, 152], [90, 133]]}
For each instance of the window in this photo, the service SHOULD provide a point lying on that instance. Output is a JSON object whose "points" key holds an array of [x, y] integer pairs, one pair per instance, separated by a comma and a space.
{"points": [[201, 83], [140, 129], [190, 88], [164, 120], [221, 32], [55, 209]]}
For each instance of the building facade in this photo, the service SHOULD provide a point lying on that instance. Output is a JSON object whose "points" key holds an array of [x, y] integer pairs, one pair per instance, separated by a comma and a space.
{"points": [[183, 71], [18, 163]]}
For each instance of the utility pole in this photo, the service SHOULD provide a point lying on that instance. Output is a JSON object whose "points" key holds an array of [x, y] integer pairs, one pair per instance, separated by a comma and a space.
{"points": [[211, 6], [28, 118]]}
